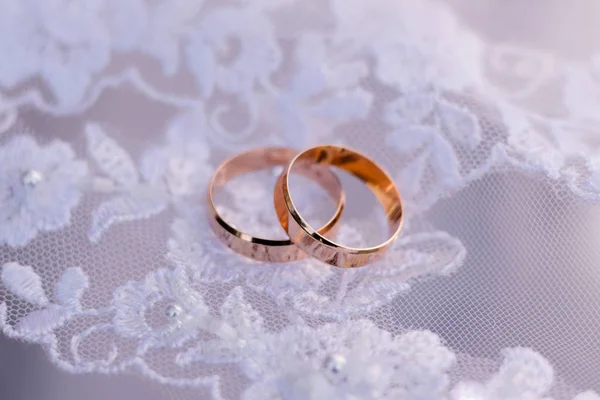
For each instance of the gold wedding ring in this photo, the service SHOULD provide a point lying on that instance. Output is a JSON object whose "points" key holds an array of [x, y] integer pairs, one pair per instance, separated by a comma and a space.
{"points": [[260, 159], [312, 241]]}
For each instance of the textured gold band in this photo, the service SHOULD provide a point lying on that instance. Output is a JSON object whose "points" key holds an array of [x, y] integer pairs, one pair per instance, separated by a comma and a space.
{"points": [[313, 242], [259, 159]]}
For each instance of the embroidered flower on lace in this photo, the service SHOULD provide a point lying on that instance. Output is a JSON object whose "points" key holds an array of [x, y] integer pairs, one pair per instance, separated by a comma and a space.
{"points": [[354, 360], [420, 121], [561, 143], [523, 375], [39, 186], [232, 49], [573, 137], [181, 164], [26, 285], [237, 325], [168, 174], [395, 34], [163, 309], [323, 91], [65, 43], [443, 144], [154, 28]]}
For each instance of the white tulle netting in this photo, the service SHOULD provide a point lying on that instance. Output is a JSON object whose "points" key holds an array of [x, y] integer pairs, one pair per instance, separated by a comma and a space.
{"points": [[114, 114]]}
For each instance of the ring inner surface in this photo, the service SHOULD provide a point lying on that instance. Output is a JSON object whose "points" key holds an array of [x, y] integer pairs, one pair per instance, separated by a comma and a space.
{"points": [[364, 169], [266, 158]]}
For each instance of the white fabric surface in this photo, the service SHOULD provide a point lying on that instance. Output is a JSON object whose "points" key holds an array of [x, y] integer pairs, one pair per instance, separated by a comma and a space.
{"points": [[114, 114]]}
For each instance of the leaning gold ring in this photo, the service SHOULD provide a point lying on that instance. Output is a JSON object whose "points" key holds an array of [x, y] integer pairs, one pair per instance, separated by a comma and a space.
{"points": [[260, 159], [313, 242]]}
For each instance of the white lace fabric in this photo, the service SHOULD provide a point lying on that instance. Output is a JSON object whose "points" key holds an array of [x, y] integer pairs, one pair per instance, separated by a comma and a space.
{"points": [[114, 115]]}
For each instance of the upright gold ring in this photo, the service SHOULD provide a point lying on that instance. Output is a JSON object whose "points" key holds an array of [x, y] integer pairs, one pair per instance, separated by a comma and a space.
{"points": [[313, 242], [259, 159]]}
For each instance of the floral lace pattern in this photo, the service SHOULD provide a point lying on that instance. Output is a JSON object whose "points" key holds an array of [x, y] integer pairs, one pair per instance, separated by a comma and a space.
{"points": [[564, 145], [361, 362], [108, 260], [39, 185], [352, 359], [67, 45], [24, 283], [167, 173]]}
